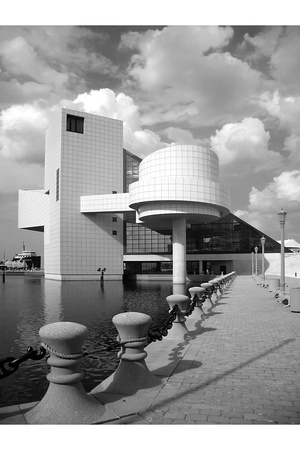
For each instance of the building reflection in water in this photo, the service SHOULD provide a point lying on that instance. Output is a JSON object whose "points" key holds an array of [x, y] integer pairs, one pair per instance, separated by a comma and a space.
{"points": [[52, 301]]}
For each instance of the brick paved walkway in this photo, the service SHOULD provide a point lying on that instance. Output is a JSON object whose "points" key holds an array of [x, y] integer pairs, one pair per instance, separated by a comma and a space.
{"points": [[241, 366], [238, 366]]}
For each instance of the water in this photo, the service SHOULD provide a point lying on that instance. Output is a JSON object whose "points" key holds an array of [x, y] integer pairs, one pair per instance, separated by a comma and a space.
{"points": [[28, 303]]}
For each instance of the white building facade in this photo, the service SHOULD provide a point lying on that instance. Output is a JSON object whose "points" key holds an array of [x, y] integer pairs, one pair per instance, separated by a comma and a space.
{"points": [[83, 156], [102, 207]]}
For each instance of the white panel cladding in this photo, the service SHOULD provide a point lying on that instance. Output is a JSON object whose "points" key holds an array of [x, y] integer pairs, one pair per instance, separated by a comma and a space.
{"points": [[175, 175], [105, 203], [33, 209]]}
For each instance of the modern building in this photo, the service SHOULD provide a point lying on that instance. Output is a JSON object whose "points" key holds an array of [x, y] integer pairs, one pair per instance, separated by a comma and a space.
{"points": [[292, 245], [103, 207]]}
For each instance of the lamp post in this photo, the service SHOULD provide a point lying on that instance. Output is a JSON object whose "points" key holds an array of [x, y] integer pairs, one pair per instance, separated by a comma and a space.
{"points": [[282, 216], [263, 240], [256, 249], [252, 263]]}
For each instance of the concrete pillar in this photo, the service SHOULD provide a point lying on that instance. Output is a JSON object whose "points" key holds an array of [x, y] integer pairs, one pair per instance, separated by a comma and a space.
{"points": [[179, 251], [200, 267]]}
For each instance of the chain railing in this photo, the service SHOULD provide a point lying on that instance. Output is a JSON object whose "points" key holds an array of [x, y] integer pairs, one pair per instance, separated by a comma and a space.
{"points": [[157, 334], [192, 306], [10, 364]]}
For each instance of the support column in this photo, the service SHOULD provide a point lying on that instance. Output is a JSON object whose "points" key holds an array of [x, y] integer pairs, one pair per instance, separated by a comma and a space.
{"points": [[179, 252], [200, 267]]}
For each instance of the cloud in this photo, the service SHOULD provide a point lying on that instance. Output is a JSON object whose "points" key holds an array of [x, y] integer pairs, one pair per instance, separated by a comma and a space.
{"points": [[51, 62], [197, 83], [19, 58], [286, 109], [264, 205], [183, 137], [22, 133], [285, 62], [107, 103], [283, 189], [262, 44], [243, 146]]}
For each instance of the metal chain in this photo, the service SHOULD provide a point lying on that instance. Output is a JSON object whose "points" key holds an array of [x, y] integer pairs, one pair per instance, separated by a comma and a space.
{"points": [[13, 363], [192, 306], [158, 333]]}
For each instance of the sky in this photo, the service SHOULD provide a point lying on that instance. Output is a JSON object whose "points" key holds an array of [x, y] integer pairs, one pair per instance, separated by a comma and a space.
{"points": [[232, 88]]}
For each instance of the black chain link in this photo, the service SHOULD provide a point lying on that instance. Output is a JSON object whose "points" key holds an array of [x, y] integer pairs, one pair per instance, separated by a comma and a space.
{"points": [[10, 364], [192, 305], [157, 334]]}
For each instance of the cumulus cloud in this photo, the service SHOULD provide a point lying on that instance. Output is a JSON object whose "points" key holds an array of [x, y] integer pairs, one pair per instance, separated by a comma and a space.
{"points": [[282, 192], [197, 82], [51, 62], [183, 137], [20, 59], [283, 189], [22, 129], [245, 145], [286, 109], [285, 62], [263, 44], [107, 103]]}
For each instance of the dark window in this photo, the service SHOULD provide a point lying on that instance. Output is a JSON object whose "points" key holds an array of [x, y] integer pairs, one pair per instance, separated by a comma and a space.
{"points": [[75, 124], [115, 219], [114, 192], [140, 239], [57, 184], [114, 232]]}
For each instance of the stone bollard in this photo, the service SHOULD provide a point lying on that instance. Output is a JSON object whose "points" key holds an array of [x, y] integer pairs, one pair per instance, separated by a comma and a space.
{"points": [[215, 282], [179, 329], [221, 285], [209, 287], [65, 401], [132, 373], [273, 284], [198, 311]]}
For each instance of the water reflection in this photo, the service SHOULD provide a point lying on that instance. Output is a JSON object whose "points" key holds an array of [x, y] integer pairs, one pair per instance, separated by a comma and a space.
{"points": [[52, 301], [29, 303]]}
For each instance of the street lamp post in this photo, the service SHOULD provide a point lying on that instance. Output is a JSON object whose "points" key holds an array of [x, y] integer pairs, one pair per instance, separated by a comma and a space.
{"points": [[252, 263], [263, 240], [282, 216], [256, 249]]}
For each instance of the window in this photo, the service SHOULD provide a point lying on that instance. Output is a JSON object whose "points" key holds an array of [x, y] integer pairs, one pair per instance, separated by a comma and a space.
{"points": [[115, 219], [114, 192], [75, 124], [57, 185], [114, 232]]}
